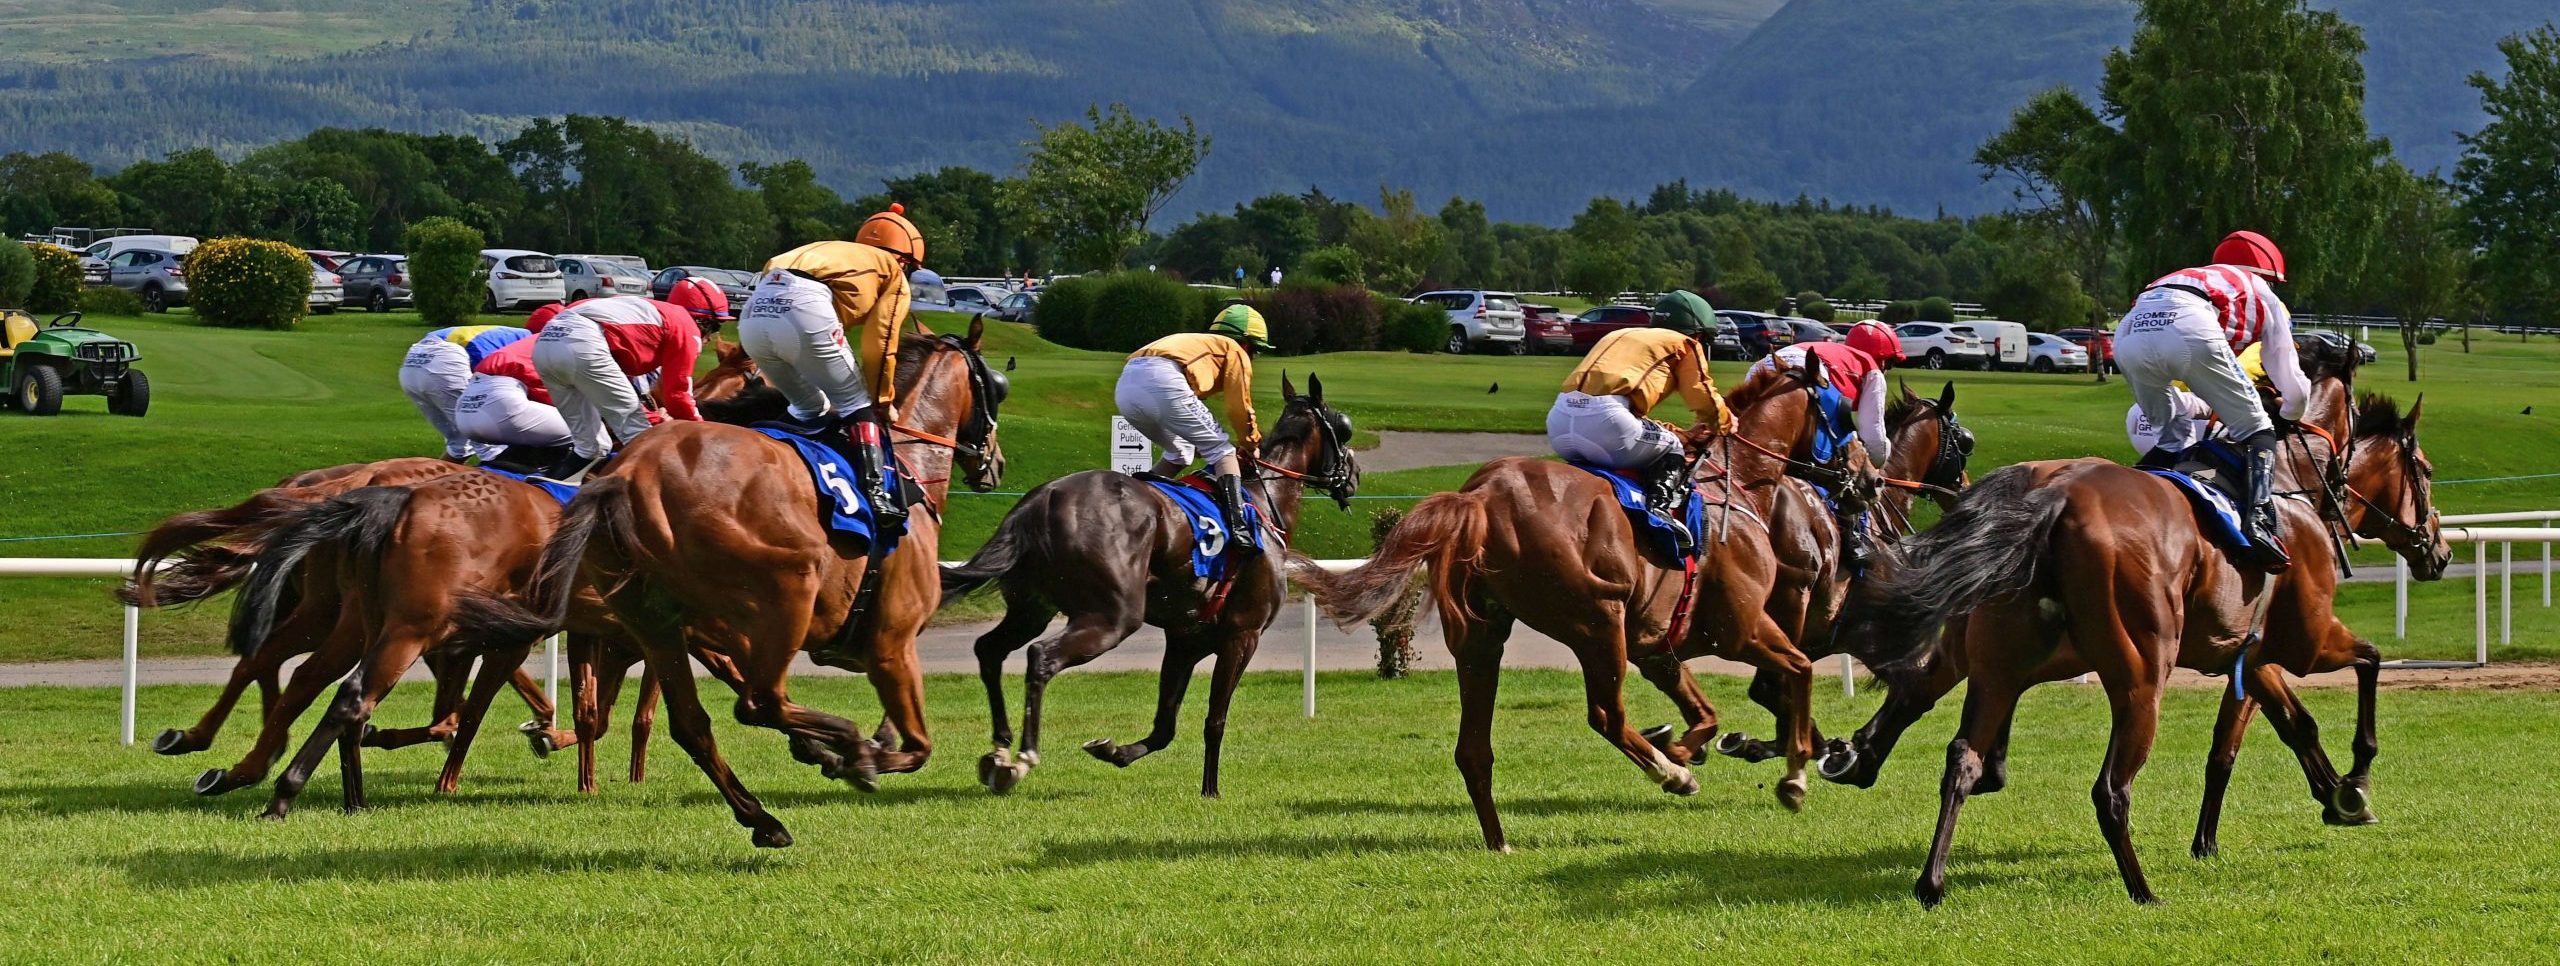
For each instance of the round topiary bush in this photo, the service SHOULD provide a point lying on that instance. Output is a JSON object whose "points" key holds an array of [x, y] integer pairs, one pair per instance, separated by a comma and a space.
{"points": [[57, 288], [248, 283], [1935, 309], [444, 270], [1132, 309], [1064, 310], [17, 274], [1813, 306]]}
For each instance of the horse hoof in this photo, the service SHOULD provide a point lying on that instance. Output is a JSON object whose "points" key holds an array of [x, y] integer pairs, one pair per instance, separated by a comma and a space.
{"points": [[2353, 806], [1103, 749], [1837, 763], [275, 811], [1791, 794], [1682, 783], [1004, 778], [1929, 894], [989, 762], [540, 740], [2203, 849], [174, 742], [1732, 743], [776, 837], [214, 781], [1659, 736]]}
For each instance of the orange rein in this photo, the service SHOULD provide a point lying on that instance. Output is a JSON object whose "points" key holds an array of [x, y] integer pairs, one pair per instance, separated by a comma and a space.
{"points": [[1886, 480]]}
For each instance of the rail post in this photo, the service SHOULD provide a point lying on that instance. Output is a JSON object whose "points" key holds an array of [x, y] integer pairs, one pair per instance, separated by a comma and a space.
{"points": [[2480, 603], [1309, 676], [2400, 597], [132, 666]]}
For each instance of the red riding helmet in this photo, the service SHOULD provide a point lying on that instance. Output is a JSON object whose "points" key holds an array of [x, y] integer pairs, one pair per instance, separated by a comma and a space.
{"points": [[1872, 338], [2252, 251], [541, 317], [698, 296]]}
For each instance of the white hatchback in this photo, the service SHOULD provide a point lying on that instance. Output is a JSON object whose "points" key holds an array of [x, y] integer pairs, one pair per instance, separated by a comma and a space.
{"points": [[520, 279], [1939, 346]]}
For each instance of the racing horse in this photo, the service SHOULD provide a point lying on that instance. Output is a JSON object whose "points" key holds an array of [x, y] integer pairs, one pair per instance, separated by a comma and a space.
{"points": [[708, 538], [1546, 544], [1112, 553], [2109, 558]]}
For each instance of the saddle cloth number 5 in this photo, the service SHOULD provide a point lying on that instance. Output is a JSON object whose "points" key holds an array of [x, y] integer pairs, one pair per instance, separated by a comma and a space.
{"points": [[846, 502]]}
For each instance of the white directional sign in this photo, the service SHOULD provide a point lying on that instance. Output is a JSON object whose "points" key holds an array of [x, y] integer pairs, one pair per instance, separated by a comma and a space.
{"points": [[1130, 451]]}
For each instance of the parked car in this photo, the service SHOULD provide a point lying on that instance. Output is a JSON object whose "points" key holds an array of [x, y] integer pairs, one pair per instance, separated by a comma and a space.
{"points": [[109, 248], [1808, 330], [1755, 334], [1481, 320], [1550, 330], [736, 284], [520, 279], [2047, 353], [1938, 346], [377, 282], [326, 258], [2099, 343], [1016, 307], [327, 288], [2007, 341], [599, 276], [159, 278], [1587, 328], [974, 298]]}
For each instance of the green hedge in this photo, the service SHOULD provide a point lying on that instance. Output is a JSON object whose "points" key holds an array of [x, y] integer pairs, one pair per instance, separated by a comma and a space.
{"points": [[1411, 327], [444, 270], [17, 274], [109, 300], [1121, 311], [248, 283], [57, 288]]}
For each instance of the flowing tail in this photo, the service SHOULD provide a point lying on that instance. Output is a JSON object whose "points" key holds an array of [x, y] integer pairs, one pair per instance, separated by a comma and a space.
{"points": [[998, 556], [207, 551], [1984, 550], [1444, 532], [601, 508], [358, 523]]}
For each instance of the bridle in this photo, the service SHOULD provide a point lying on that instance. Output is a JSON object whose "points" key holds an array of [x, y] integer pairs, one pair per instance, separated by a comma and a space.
{"points": [[987, 391], [1339, 474], [2420, 496]]}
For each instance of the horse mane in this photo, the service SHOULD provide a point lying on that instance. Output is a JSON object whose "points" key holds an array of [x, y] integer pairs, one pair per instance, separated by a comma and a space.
{"points": [[912, 351], [2376, 415], [1899, 409], [1761, 385]]}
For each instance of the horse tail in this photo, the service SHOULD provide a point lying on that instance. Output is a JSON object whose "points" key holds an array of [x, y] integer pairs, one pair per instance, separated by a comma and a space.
{"points": [[601, 507], [1986, 549], [358, 523], [1445, 532], [998, 556], [201, 567]]}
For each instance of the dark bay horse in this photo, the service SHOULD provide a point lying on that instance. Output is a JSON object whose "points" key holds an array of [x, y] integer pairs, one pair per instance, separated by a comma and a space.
{"points": [[1546, 544], [2108, 558], [1112, 553], [703, 537]]}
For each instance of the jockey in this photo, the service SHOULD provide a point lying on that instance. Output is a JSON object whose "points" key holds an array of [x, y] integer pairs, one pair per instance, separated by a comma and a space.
{"points": [[1856, 369], [505, 403], [435, 371], [1160, 393], [795, 325], [2145, 436], [2187, 327], [1601, 416], [589, 353]]}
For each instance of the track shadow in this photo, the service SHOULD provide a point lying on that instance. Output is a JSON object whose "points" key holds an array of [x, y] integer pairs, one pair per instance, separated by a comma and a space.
{"points": [[1616, 886], [188, 867], [1106, 851], [1636, 799]]}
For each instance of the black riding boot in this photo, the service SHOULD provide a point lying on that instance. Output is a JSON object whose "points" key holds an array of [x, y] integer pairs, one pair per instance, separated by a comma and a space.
{"points": [[2260, 516], [1241, 533], [1857, 547], [2158, 458], [870, 453], [1667, 490]]}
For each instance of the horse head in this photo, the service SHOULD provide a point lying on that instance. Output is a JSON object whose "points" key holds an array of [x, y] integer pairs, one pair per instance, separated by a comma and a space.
{"points": [[979, 454], [735, 372], [1311, 442], [2392, 485], [1929, 444]]}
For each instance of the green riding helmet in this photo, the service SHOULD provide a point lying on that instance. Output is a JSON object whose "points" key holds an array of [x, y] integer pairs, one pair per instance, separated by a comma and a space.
{"points": [[1245, 324], [1684, 312]]}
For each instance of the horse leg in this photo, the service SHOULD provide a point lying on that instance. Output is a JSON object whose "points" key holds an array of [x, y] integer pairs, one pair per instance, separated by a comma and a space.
{"points": [[1667, 675], [536, 700], [451, 670], [2137, 721], [2230, 728], [1767, 690], [1604, 673], [1182, 654], [1087, 636], [1477, 645], [1233, 656], [898, 678], [2357, 790], [644, 719], [692, 727], [2293, 723], [1988, 705], [378, 672], [1860, 759], [259, 667], [1024, 618], [497, 670], [335, 656]]}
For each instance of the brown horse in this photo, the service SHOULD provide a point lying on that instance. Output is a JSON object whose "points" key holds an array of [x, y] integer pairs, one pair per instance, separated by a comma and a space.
{"points": [[2108, 557], [708, 537], [1112, 553], [1542, 543]]}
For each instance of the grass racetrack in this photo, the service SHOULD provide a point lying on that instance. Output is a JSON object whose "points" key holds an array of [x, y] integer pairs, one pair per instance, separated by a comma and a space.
{"points": [[1345, 838]]}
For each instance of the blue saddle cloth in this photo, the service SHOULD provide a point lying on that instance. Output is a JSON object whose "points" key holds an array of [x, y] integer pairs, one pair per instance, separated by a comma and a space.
{"points": [[2216, 515], [1650, 528], [558, 491], [1212, 551], [840, 503]]}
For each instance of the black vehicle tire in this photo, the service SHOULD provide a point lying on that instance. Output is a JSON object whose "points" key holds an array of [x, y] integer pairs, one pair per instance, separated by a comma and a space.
{"points": [[38, 392], [154, 300], [489, 303], [1457, 345], [380, 302], [1520, 348], [1937, 359], [2043, 365], [578, 296], [324, 310], [132, 396]]}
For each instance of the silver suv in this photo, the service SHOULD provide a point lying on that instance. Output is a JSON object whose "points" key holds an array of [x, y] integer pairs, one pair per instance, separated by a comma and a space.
{"points": [[159, 277], [1481, 320]]}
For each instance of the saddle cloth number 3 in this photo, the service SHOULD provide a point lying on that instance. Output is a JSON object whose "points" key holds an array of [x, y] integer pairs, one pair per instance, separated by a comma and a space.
{"points": [[846, 502]]}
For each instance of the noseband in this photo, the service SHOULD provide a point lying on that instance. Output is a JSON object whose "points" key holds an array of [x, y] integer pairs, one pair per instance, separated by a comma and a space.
{"points": [[1339, 475]]}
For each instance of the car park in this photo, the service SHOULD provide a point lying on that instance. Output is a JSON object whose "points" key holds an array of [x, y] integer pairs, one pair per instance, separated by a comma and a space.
{"points": [[377, 282], [1587, 329], [1480, 320], [2364, 350], [1937, 345], [733, 283], [974, 297], [1017, 306], [327, 288], [2052, 353], [1808, 330], [520, 279], [1755, 334], [1550, 330], [601, 276], [2005, 342], [109, 248], [327, 258], [158, 278]]}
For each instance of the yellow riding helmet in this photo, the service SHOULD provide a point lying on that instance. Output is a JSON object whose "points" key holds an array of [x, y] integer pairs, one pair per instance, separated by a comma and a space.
{"points": [[890, 230], [1244, 323]]}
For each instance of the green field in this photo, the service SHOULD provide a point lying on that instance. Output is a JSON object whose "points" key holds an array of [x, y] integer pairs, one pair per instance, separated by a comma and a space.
{"points": [[1345, 838], [234, 411]]}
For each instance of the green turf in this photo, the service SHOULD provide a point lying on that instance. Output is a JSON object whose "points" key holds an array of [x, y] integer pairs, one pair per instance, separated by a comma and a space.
{"points": [[1345, 838], [234, 411]]}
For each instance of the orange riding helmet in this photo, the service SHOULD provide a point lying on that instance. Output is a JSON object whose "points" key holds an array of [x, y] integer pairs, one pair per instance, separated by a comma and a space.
{"points": [[890, 230]]}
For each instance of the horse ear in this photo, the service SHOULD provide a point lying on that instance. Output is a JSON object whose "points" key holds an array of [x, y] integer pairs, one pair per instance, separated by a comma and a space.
{"points": [[1315, 390], [977, 330], [1288, 390], [1907, 395], [1813, 369], [2409, 423], [1947, 397]]}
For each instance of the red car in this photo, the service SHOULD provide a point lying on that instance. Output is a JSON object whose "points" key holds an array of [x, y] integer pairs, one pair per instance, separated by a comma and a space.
{"points": [[2101, 345], [1590, 326], [1549, 329]]}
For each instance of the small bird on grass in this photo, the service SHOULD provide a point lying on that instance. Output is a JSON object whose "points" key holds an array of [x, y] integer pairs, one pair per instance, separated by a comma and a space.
{"points": [[1008, 363], [1490, 390]]}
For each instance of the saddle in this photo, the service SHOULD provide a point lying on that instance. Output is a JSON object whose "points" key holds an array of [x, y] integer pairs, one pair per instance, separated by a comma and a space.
{"points": [[559, 491], [822, 448], [1658, 538], [2212, 476], [525, 460], [1215, 561]]}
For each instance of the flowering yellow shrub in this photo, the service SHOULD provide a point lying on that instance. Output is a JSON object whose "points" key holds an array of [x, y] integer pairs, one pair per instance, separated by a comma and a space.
{"points": [[248, 283]]}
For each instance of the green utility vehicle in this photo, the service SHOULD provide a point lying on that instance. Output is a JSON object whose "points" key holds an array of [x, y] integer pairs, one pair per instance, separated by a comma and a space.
{"points": [[41, 364]]}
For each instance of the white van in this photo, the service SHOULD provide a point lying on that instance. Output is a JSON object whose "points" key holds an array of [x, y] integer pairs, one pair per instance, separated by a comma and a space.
{"points": [[108, 248], [2008, 341]]}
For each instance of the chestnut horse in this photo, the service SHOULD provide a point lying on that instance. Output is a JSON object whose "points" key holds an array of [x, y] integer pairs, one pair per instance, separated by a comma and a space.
{"points": [[2110, 558], [709, 537], [1538, 542], [1112, 553]]}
